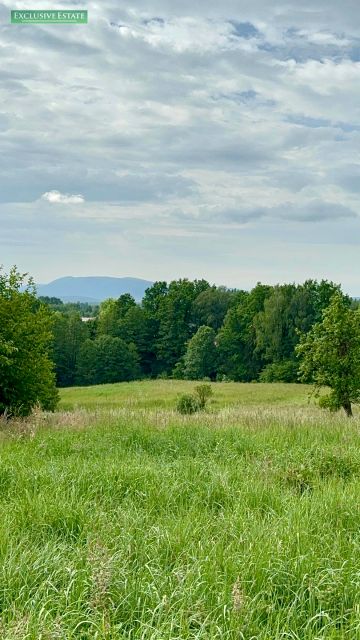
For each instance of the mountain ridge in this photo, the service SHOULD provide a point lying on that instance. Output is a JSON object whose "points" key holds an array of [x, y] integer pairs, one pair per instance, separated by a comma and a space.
{"points": [[93, 289]]}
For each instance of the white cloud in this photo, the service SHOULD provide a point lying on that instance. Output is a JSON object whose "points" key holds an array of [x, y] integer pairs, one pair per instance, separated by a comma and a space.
{"points": [[55, 197], [327, 76], [181, 120], [322, 38], [186, 34]]}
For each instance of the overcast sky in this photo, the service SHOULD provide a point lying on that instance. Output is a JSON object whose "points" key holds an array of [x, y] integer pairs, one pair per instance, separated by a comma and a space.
{"points": [[174, 138]]}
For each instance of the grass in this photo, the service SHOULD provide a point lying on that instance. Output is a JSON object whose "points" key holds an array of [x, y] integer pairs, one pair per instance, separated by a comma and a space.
{"points": [[162, 394], [132, 522]]}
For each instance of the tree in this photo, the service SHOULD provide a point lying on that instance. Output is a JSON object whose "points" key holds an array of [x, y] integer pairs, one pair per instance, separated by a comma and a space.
{"points": [[70, 332], [290, 309], [276, 325], [154, 296], [136, 327], [52, 301], [27, 377], [86, 364], [107, 360], [330, 355], [211, 305], [238, 357], [112, 313], [200, 359], [152, 304], [176, 324]]}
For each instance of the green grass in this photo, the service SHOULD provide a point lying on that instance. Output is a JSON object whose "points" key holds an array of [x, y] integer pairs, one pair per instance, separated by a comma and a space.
{"points": [[149, 394], [136, 523]]}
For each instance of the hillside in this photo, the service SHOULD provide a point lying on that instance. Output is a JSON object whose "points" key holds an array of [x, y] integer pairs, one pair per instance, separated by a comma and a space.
{"points": [[93, 289]]}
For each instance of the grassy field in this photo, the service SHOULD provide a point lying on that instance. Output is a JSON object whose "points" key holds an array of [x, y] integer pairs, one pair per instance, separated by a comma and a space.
{"points": [[120, 519], [162, 394]]}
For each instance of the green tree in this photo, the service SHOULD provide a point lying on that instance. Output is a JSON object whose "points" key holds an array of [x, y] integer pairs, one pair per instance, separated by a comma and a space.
{"points": [[330, 355], [211, 306], [284, 311], [154, 297], [27, 377], [152, 304], [107, 360], [238, 357], [85, 309], [176, 324], [116, 361], [52, 301], [86, 364], [136, 327], [6, 349], [70, 332], [289, 309], [112, 312], [200, 360], [321, 294]]}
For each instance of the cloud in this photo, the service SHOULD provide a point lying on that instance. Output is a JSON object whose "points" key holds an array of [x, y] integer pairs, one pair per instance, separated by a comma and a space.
{"points": [[310, 211], [313, 211], [326, 76], [182, 34], [55, 197], [322, 38], [226, 123]]}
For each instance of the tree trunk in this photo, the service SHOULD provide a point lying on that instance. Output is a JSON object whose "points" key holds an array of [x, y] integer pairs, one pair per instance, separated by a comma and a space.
{"points": [[347, 408]]}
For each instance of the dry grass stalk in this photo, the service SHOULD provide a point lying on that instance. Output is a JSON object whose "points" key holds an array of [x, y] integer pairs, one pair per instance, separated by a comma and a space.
{"points": [[238, 597]]}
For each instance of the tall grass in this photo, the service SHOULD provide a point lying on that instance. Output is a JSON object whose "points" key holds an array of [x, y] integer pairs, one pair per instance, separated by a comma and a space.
{"points": [[235, 524], [162, 394]]}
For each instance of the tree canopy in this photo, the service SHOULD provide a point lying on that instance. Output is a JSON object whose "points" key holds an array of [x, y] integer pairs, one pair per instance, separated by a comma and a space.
{"points": [[191, 329], [27, 375], [330, 355], [200, 360]]}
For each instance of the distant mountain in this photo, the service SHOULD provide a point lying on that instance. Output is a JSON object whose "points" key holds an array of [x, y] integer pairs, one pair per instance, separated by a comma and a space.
{"points": [[93, 289]]}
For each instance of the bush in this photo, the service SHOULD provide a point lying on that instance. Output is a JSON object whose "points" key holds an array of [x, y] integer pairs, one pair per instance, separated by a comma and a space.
{"points": [[203, 393], [285, 371], [163, 376], [191, 403], [222, 377], [187, 404], [178, 370]]}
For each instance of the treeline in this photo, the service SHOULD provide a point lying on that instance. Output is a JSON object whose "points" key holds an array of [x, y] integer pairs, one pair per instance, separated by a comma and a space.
{"points": [[85, 309], [190, 330]]}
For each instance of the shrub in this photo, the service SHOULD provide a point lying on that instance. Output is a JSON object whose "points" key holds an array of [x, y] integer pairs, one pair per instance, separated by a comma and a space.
{"points": [[285, 371], [203, 394], [187, 404], [178, 370], [222, 377], [191, 403]]}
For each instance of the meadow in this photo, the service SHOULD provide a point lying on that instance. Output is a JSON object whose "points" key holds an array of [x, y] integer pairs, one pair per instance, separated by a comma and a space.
{"points": [[121, 519], [162, 394]]}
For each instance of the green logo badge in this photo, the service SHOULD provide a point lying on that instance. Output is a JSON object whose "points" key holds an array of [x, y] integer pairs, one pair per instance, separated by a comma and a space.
{"points": [[51, 16]]}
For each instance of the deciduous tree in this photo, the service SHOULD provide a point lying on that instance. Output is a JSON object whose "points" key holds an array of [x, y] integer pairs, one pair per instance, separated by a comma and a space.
{"points": [[330, 355], [200, 360], [27, 375]]}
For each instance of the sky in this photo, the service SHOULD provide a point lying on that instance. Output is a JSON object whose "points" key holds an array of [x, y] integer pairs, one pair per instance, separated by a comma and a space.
{"points": [[170, 138]]}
